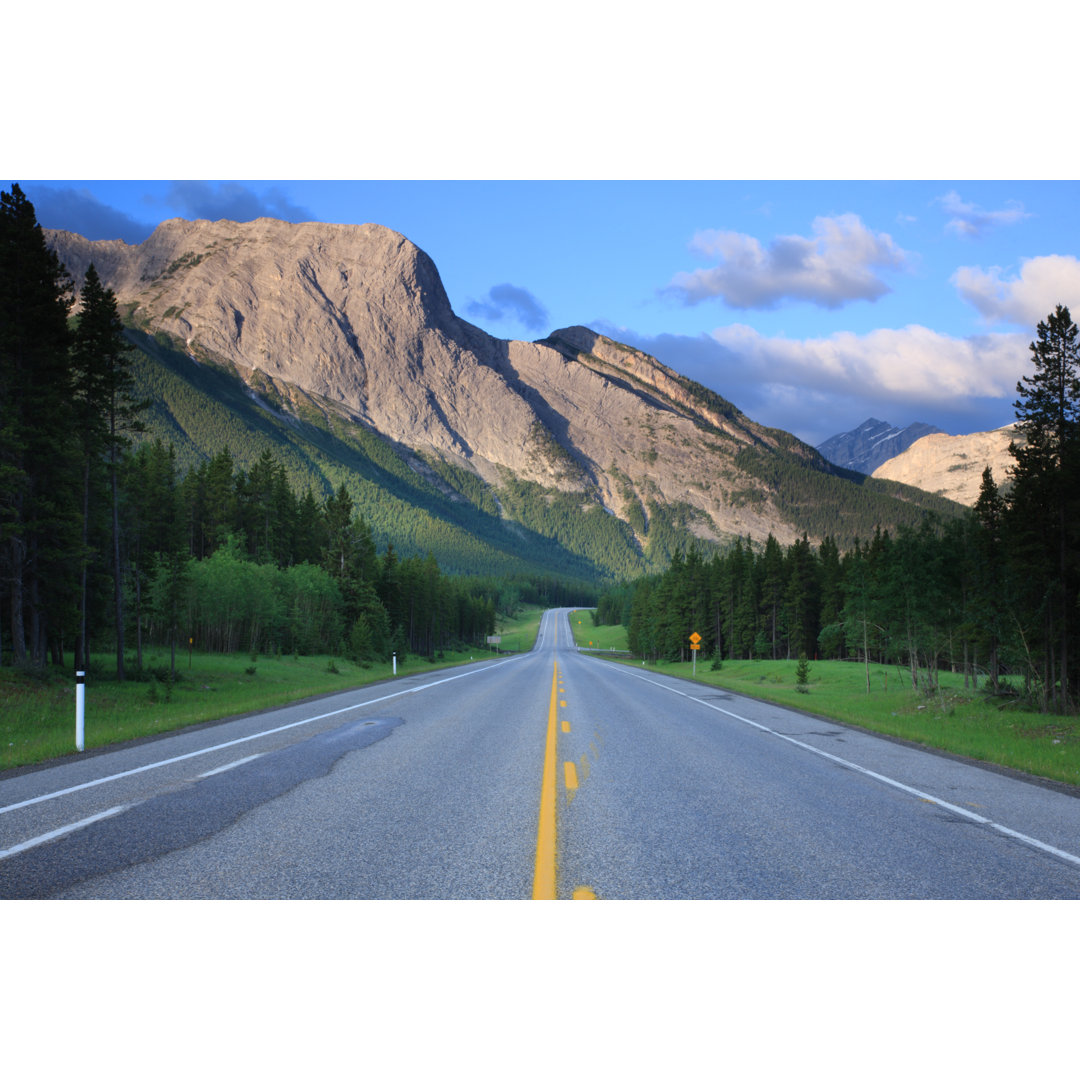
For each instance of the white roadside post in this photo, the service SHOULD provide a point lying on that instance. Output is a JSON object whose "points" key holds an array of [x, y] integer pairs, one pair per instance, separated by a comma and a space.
{"points": [[80, 710], [395, 663]]}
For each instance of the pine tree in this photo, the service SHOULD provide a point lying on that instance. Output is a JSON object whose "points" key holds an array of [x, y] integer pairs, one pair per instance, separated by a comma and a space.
{"points": [[38, 500], [1043, 503], [990, 587], [802, 675], [108, 411], [772, 593]]}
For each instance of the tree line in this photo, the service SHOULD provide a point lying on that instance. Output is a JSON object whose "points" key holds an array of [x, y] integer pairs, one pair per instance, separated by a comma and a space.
{"points": [[995, 593], [107, 542]]}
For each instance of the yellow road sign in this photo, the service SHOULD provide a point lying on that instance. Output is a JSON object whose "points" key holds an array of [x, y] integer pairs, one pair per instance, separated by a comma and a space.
{"points": [[695, 637]]}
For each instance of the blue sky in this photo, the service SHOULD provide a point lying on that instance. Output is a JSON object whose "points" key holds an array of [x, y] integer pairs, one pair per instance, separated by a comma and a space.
{"points": [[582, 168], [812, 305]]}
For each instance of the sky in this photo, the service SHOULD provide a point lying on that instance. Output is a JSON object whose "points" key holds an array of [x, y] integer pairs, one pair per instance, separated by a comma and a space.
{"points": [[824, 211], [811, 305], [807, 208]]}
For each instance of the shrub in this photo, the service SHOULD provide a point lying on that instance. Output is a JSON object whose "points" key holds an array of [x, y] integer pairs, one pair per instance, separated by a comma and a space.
{"points": [[802, 675]]}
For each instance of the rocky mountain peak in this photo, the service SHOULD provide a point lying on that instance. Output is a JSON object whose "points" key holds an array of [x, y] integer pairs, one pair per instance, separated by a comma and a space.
{"points": [[355, 319], [872, 443]]}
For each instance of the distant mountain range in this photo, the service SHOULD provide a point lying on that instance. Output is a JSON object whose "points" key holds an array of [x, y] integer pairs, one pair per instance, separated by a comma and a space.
{"points": [[952, 465], [872, 444], [336, 347]]}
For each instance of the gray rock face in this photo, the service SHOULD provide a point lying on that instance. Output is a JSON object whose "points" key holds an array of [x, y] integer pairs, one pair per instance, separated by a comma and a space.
{"points": [[356, 317], [872, 444], [952, 465]]}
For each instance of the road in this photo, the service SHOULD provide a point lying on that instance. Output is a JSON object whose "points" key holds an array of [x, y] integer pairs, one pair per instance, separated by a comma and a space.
{"points": [[552, 774]]}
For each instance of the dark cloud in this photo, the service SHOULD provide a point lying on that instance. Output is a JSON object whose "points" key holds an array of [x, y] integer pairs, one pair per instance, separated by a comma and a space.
{"points": [[80, 212], [231, 201], [511, 302]]}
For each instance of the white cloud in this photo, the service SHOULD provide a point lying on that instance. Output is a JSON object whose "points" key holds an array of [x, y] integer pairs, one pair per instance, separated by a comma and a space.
{"points": [[967, 219], [912, 364], [1043, 283], [834, 266], [818, 387]]}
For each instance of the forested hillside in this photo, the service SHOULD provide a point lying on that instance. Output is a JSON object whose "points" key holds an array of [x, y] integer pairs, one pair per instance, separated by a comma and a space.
{"points": [[995, 593], [113, 536], [337, 344], [420, 505]]}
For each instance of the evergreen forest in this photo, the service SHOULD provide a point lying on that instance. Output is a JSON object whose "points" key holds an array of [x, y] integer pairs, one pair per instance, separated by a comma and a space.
{"points": [[110, 538], [148, 498], [994, 594]]}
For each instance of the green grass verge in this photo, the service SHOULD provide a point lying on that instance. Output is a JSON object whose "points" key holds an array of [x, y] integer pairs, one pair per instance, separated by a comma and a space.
{"points": [[37, 714], [955, 719], [587, 636], [519, 633]]}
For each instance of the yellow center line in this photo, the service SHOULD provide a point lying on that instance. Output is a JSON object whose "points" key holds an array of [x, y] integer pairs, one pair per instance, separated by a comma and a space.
{"points": [[544, 876]]}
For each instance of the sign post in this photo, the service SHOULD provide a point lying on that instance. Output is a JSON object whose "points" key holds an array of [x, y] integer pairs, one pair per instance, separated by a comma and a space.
{"points": [[695, 646], [80, 710]]}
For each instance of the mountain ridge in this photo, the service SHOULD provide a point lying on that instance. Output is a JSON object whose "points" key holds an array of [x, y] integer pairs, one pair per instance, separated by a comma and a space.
{"points": [[872, 443], [952, 465], [353, 320]]}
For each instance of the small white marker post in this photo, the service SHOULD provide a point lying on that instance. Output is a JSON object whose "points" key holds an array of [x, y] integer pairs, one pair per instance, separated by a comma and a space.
{"points": [[80, 709], [395, 663]]}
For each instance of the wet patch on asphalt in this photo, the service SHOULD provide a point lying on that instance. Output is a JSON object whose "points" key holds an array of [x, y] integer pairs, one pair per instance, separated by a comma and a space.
{"points": [[180, 818]]}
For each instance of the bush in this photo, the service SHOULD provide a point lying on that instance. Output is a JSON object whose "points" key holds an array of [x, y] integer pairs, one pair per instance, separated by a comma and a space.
{"points": [[802, 675]]}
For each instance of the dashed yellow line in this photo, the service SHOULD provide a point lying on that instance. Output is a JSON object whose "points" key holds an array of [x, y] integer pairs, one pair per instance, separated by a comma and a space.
{"points": [[570, 773]]}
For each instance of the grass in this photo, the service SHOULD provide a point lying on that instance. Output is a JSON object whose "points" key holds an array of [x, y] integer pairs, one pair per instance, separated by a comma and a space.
{"points": [[588, 636], [955, 719], [519, 633], [37, 713]]}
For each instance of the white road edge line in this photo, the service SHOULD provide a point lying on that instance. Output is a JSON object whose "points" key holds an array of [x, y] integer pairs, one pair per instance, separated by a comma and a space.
{"points": [[231, 765], [248, 738], [63, 830], [978, 819]]}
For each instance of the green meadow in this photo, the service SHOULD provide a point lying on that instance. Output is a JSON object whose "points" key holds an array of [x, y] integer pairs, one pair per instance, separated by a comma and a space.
{"points": [[954, 718], [37, 712]]}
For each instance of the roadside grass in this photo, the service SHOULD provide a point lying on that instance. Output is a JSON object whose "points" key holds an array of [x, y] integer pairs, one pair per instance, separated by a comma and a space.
{"points": [[953, 718], [587, 636], [519, 633], [37, 712]]}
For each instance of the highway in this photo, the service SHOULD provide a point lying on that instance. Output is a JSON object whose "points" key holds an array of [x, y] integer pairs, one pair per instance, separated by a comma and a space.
{"points": [[551, 774]]}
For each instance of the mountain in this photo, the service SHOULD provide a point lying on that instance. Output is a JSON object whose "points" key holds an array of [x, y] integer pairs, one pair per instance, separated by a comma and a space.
{"points": [[338, 345], [871, 444], [952, 465]]}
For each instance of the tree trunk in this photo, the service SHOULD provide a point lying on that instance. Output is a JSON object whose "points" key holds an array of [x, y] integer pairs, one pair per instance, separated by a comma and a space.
{"points": [[18, 629], [118, 582], [80, 640]]}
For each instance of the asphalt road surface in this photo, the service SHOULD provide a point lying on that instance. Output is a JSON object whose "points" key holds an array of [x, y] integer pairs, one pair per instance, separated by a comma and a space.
{"points": [[552, 774]]}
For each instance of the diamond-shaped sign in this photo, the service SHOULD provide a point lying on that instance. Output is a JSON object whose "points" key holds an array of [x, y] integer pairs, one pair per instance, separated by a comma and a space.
{"points": [[695, 637]]}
